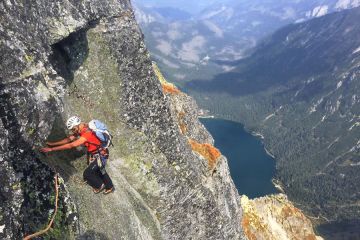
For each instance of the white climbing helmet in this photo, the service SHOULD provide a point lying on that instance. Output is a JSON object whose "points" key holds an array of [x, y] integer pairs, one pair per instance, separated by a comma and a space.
{"points": [[72, 122]]}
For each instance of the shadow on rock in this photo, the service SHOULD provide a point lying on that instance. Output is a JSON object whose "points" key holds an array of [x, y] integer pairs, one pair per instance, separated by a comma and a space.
{"points": [[25, 175], [63, 162]]}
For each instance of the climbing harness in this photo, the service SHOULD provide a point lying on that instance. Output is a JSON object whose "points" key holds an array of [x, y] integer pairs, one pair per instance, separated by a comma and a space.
{"points": [[101, 156]]}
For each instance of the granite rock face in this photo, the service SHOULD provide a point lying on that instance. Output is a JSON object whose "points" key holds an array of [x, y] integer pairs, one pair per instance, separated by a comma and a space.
{"points": [[87, 58], [275, 217]]}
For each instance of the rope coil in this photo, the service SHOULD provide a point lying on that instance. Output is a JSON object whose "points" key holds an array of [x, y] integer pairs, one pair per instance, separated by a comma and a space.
{"points": [[54, 215]]}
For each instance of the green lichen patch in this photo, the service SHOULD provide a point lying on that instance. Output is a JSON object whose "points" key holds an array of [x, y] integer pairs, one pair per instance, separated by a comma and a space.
{"points": [[95, 89], [16, 186], [29, 58]]}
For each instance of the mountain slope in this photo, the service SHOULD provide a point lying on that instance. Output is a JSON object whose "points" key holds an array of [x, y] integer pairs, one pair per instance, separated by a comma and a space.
{"points": [[88, 59], [300, 90], [239, 15], [190, 46]]}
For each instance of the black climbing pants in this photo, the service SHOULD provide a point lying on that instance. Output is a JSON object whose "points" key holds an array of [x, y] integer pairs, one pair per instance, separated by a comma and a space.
{"points": [[96, 176]]}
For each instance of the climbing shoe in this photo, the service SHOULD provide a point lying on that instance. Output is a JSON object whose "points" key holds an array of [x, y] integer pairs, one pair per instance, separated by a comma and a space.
{"points": [[97, 190], [107, 191]]}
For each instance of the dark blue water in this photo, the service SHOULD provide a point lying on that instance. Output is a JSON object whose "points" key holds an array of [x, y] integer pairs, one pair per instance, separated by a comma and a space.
{"points": [[250, 167]]}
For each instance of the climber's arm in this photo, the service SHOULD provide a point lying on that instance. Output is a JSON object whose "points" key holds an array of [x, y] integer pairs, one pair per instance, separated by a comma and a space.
{"points": [[70, 145], [61, 142]]}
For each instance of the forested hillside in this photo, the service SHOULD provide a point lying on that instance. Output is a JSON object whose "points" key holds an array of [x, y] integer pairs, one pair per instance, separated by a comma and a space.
{"points": [[300, 90], [188, 38]]}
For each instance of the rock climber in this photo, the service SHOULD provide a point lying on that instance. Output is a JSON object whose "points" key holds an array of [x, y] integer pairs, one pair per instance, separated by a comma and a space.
{"points": [[95, 174]]}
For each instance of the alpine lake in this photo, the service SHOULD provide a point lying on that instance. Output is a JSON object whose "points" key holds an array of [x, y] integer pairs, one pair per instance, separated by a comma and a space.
{"points": [[251, 168]]}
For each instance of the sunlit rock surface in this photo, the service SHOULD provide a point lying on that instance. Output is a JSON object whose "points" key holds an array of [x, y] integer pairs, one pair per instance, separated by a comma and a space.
{"points": [[88, 58], [275, 217]]}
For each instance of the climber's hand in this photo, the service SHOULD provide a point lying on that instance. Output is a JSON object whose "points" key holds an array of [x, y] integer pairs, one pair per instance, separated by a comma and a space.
{"points": [[45, 150], [49, 144]]}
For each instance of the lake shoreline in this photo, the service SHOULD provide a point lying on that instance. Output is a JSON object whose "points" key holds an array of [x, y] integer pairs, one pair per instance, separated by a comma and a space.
{"points": [[255, 134], [249, 161]]}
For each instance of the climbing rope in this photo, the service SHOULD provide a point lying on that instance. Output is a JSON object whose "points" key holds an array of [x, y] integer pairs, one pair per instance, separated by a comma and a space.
{"points": [[53, 217]]}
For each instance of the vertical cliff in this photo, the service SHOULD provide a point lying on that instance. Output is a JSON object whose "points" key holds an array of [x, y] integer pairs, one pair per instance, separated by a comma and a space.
{"points": [[88, 58], [272, 217]]}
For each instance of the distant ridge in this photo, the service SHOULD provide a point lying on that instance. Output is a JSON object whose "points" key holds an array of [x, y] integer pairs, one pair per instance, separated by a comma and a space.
{"points": [[300, 90]]}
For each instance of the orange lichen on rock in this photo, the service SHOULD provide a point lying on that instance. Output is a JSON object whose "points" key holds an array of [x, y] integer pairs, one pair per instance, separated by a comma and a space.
{"points": [[166, 86], [170, 88], [245, 223], [250, 224], [207, 151], [311, 237], [274, 217], [288, 211]]}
